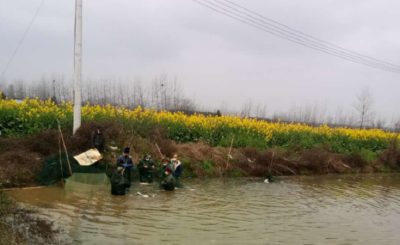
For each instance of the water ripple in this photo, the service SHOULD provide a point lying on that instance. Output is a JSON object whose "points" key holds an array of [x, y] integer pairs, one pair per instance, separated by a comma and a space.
{"points": [[350, 209]]}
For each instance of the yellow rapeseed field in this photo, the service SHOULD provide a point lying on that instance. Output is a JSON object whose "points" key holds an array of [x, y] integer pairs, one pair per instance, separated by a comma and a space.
{"points": [[33, 115]]}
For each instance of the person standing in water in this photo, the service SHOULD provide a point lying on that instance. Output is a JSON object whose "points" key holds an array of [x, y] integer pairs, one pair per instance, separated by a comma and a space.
{"points": [[146, 169], [117, 182], [126, 162], [165, 163], [98, 140], [169, 181], [177, 167]]}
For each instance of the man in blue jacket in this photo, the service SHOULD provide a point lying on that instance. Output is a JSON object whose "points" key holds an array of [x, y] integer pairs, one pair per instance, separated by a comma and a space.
{"points": [[126, 162]]}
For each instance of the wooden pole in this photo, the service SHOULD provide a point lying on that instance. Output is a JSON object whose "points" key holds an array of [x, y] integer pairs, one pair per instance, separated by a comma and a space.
{"points": [[229, 154], [65, 147], [272, 158], [395, 148], [59, 151], [159, 151]]}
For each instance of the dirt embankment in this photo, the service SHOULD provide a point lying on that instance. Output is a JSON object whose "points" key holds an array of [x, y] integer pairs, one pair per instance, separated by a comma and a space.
{"points": [[22, 158]]}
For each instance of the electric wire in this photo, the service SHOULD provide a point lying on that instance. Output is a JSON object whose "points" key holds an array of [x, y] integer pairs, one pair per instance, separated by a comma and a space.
{"points": [[302, 33], [318, 43], [22, 39], [312, 46], [302, 42]]}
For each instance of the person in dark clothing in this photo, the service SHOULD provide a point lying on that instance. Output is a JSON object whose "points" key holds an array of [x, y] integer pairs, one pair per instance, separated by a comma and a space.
{"points": [[166, 163], [98, 140], [269, 178], [118, 182], [126, 162], [146, 169], [169, 181]]}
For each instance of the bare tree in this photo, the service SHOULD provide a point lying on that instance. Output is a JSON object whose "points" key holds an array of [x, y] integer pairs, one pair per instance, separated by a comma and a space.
{"points": [[155, 94], [329, 120], [176, 94], [123, 89], [188, 105], [351, 120], [364, 106], [164, 91], [323, 113], [339, 116], [20, 92], [3, 84], [260, 111], [10, 91], [42, 89], [397, 125], [276, 117], [380, 123], [263, 112], [140, 93], [314, 115], [247, 108]]}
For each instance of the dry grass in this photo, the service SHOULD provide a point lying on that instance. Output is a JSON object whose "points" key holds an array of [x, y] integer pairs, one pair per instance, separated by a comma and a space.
{"points": [[21, 159]]}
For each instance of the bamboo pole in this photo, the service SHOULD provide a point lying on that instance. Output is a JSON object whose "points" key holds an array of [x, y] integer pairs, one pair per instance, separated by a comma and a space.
{"points": [[395, 148], [159, 151], [59, 151], [272, 158], [229, 154], [65, 147]]}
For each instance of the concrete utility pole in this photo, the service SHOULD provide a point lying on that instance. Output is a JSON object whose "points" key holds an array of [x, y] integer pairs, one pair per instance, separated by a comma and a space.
{"points": [[78, 66]]}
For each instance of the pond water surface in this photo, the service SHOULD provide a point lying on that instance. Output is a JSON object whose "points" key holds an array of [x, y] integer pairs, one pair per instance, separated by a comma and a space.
{"points": [[363, 209]]}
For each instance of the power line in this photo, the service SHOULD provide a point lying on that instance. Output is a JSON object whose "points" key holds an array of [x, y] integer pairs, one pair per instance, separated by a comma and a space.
{"points": [[312, 43], [302, 42], [312, 46], [302, 33], [22, 39], [318, 43]]}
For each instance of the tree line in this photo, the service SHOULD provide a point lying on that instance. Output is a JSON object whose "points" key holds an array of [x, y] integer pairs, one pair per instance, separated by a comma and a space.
{"points": [[162, 93], [167, 93]]}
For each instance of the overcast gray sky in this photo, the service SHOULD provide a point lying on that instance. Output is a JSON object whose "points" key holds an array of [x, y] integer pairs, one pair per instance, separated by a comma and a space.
{"points": [[217, 59]]}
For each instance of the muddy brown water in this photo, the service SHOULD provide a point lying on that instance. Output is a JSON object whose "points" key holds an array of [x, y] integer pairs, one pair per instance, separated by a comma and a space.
{"points": [[301, 210]]}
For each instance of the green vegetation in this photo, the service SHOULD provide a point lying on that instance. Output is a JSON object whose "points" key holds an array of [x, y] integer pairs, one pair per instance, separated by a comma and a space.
{"points": [[33, 116]]}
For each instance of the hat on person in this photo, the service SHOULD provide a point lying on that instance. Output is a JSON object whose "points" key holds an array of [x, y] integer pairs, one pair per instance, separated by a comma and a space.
{"points": [[126, 150], [169, 170]]}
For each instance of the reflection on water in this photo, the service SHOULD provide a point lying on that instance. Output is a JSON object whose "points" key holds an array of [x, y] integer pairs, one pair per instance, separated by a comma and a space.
{"points": [[302, 210]]}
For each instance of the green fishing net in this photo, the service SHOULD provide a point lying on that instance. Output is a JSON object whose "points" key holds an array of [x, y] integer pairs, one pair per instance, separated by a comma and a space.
{"points": [[51, 171]]}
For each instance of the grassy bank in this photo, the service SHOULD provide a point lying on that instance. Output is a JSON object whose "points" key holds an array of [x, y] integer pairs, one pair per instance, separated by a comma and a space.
{"points": [[29, 135], [21, 159]]}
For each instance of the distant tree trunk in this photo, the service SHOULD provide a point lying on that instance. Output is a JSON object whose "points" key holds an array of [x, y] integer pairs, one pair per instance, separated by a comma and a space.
{"points": [[364, 107]]}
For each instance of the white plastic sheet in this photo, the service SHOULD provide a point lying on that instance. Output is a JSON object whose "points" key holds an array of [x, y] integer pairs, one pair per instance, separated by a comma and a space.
{"points": [[89, 157]]}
